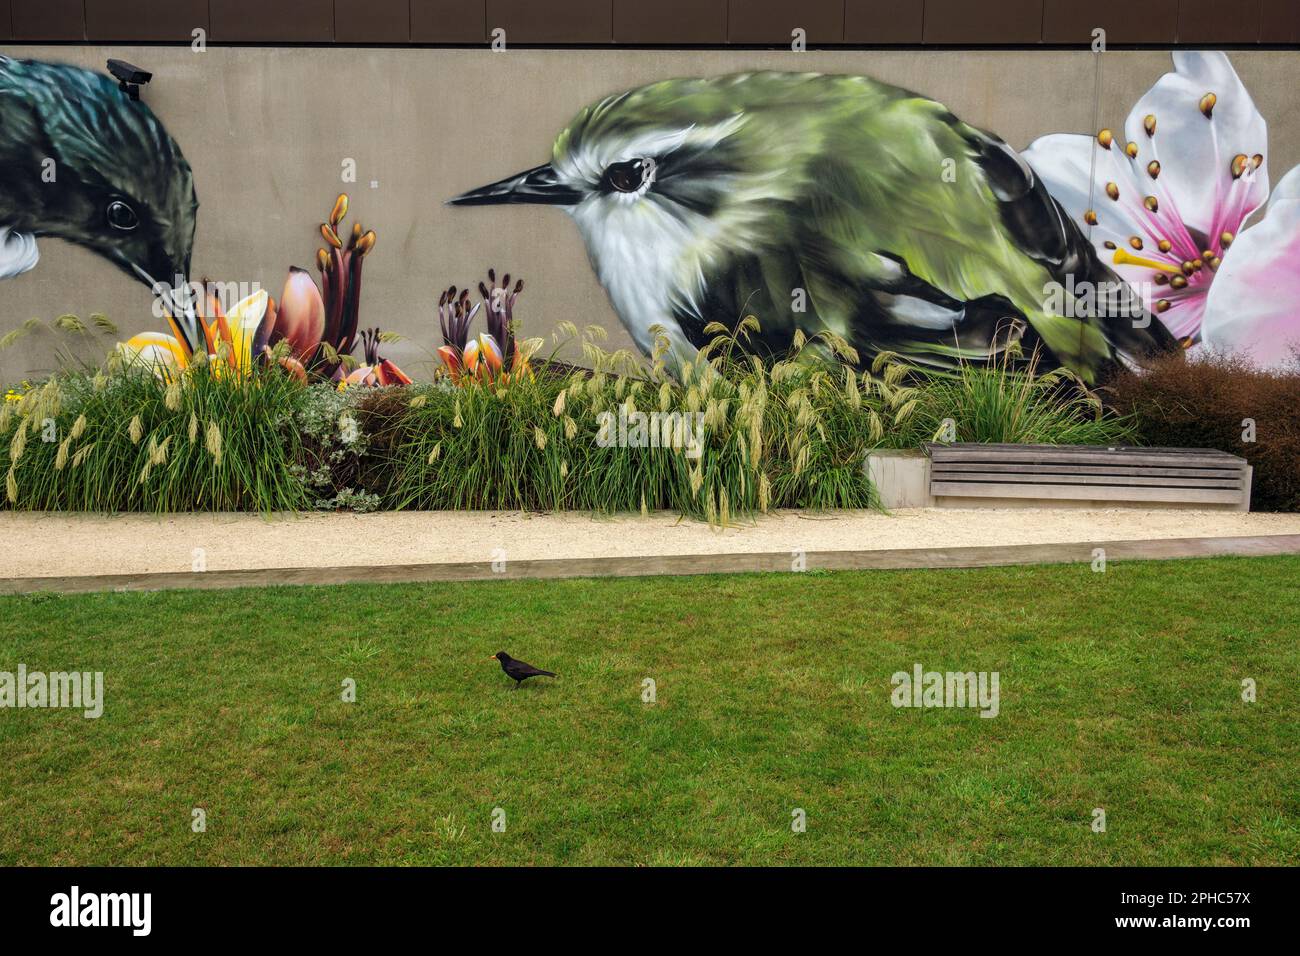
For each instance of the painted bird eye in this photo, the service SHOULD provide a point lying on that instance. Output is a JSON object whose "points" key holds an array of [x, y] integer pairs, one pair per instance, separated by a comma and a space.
{"points": [[121, 216], [630, 176]]}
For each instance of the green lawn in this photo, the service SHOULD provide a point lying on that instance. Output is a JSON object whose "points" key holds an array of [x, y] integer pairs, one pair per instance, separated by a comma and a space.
{"points": [[1119, 690]]}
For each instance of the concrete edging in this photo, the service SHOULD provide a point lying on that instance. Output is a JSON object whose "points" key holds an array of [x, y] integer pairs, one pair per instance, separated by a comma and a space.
{"points": [[623, 566]]}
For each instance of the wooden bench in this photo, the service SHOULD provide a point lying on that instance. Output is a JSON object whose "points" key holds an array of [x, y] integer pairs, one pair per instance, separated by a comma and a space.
{"points": [[1120, 474]]}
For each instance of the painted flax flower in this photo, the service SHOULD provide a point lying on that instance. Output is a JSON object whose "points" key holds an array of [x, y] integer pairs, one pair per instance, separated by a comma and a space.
{"points": [[495, 355], [320, 328], [235, 339], [340, 269], [1166, 207], [317, 329], [377, 370], [455, 315]]}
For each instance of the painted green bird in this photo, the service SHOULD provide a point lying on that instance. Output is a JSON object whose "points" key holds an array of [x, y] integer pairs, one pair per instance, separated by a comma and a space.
{"points": [[826, 202], [81, 161]]}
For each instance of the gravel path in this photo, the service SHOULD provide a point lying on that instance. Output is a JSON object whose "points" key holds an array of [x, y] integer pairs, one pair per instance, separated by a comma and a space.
{"points": [[41, 545]]}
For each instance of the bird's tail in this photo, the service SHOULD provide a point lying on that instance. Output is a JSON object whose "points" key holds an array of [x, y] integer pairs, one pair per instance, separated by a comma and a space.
{"points": [[541, 673]]}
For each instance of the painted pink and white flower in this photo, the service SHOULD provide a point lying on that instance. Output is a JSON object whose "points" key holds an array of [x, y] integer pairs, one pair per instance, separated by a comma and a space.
{"points": [[1253, 308], [1166, 209]]}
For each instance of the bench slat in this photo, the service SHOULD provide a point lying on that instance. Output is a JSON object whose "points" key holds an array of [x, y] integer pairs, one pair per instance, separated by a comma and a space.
{"points": [[1071, 469], [1120, 481], [1093, 493], [995, 446], [996, 452], [1079, 457]]}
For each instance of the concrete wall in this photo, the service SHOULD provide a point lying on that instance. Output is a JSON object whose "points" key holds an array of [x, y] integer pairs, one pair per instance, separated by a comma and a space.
{"points": [[266, 131]]}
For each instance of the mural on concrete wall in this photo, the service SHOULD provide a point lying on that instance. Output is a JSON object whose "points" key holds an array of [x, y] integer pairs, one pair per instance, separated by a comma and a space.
{"points": [[819, 201], [82, 161], [309, 333], [810, 201], [1166, 206]]}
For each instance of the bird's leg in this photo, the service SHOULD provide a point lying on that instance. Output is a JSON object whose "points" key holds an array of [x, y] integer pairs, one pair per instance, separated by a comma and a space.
{"points": [[517, 683]]}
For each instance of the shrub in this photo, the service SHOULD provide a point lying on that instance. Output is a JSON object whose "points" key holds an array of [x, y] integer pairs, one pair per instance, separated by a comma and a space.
{"points": [[1204, 401], [129, 441], [771, 434], [335, 463], [785, 434], [1009, 403]]}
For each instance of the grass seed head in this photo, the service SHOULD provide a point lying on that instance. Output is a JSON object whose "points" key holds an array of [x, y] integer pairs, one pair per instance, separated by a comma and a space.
{"points": [[18, 445], [212, 440]]}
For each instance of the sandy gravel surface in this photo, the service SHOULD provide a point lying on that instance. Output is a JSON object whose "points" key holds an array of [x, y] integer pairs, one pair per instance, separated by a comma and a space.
{"points": [[40, 545]]}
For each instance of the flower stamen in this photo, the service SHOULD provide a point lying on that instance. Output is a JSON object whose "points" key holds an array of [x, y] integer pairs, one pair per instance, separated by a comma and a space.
{"points": [[1124, 257]]}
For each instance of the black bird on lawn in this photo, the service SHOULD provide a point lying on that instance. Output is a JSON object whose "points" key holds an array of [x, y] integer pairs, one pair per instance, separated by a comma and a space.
{"points": [[83, 162], [518, 669]]}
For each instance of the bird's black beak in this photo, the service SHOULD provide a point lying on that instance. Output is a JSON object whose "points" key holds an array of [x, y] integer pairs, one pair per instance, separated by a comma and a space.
{"points": [[177, 300], [537, 185]]}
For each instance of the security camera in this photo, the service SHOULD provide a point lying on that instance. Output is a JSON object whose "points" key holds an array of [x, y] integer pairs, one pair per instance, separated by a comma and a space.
{"points": [[129, 78]]}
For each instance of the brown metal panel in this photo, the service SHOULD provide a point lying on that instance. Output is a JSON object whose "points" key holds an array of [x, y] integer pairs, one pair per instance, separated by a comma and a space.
{"points": [[1279, 21], [884, 21], [961, 21], [134, 20], [1148, 21], [670, 21], [552, 21], [48, 20], [449, 21], [774, 21], [269, 21], [6, 30], [372, 21], [1213, 21]]}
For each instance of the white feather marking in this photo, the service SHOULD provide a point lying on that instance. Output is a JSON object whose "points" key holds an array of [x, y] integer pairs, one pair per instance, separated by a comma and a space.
{"points": [[18, 252], [910, 310]]}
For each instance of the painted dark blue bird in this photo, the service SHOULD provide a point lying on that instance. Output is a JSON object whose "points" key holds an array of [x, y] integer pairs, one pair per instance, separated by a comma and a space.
{"points": [[83, 162]]}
